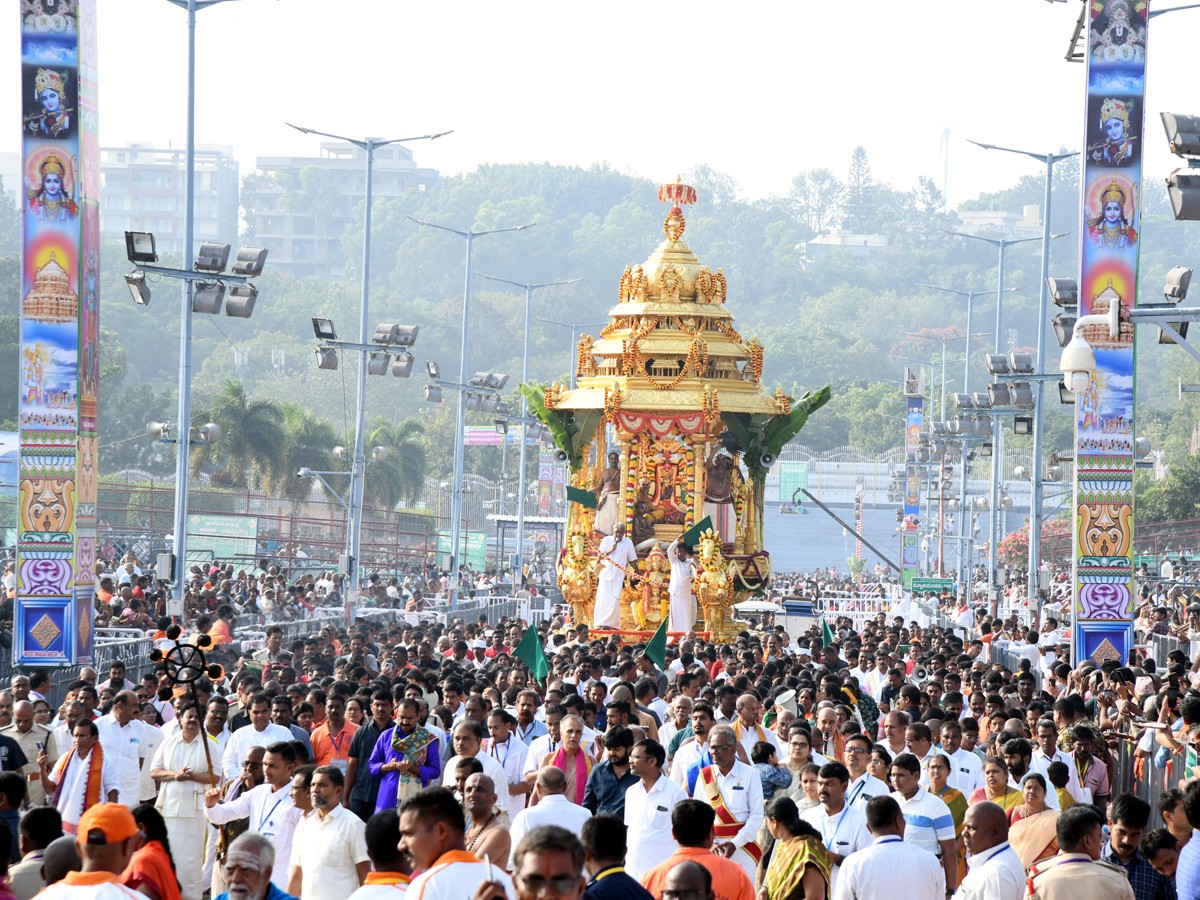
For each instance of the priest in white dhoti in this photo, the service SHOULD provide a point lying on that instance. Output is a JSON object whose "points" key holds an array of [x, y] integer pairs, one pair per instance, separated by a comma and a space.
{"points": [[683, 573], [616, 556]]}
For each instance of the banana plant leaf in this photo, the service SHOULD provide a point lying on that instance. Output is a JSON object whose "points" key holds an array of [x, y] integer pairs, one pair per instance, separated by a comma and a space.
{"points": [[760, 436], [572, 430]]}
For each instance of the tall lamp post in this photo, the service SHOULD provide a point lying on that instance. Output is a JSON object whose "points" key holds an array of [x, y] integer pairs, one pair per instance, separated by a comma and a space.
{"points": [[358, 463], [460, 423], [529, 289], [1002, 245], [575, 330], [1035, 501]]}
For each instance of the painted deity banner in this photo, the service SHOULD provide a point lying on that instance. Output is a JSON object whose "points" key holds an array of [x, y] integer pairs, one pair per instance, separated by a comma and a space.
{"points": [[909, 540], [1111, 214], [59, 374]]}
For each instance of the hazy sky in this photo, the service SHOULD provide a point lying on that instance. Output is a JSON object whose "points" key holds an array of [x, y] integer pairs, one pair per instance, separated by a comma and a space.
{"points": [[758, 90]]}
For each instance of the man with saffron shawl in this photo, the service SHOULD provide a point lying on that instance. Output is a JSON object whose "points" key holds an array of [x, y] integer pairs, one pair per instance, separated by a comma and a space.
{"points": [[82, 778]]}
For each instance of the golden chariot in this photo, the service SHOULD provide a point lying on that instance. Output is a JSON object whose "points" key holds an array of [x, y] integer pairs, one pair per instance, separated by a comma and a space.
{"points": [[676, 392]]}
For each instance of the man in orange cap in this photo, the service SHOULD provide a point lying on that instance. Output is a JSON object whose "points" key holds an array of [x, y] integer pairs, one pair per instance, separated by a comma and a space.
{"points": [[107, 838]]}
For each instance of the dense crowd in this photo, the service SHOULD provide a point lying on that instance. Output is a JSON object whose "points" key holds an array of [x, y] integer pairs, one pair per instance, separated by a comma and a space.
{"points": [[449, 760]]}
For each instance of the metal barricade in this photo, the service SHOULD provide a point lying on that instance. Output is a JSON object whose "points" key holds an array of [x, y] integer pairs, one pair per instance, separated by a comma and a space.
{"points": [[1010, 659], [1163, 644]]}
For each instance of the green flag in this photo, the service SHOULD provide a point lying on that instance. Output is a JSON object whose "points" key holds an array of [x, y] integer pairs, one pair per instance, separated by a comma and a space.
{"points": [[691, 537], [530, 652], [827, 635], [656, 650], [584, 498]]}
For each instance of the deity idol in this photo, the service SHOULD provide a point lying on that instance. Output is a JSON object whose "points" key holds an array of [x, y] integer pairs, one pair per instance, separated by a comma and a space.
{"points": [[1110, 229]]}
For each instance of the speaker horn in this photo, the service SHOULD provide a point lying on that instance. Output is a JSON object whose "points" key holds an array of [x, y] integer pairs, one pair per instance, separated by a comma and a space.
{"points": [[787, 701], [920, 675], [767, 460]]}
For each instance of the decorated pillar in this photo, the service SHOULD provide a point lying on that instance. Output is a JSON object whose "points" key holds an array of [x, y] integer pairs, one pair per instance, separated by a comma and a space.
{"points": [[1111, 190], [59, 367]]}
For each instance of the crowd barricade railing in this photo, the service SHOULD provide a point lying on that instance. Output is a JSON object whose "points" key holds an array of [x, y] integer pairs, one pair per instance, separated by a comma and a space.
{"points": [[1145, 780], [1010, 659]]}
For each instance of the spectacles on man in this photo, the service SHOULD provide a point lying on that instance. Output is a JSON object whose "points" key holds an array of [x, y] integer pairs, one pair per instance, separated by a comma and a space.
{"points": [[536, 884]]}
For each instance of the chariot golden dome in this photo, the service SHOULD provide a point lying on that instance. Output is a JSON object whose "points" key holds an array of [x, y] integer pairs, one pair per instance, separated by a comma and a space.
{"points": [[670, 344]]}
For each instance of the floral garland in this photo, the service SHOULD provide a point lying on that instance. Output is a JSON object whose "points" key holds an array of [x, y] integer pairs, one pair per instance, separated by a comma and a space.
{"points": [[696, 360]]}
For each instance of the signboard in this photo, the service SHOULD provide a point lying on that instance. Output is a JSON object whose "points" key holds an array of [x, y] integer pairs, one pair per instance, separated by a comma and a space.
{"points": [[910, 553], [932, 585], [482, 436], [59, 332], [224, 538], [792, 477], [476, 542], [1109, 225]]}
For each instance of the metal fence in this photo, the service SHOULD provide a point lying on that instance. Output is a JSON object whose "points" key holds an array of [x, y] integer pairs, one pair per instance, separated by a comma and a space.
{"points": [[1152, 783]]}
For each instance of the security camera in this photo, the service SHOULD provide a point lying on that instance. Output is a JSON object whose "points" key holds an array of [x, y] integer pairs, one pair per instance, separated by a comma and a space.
{"points": [[303, 472]]}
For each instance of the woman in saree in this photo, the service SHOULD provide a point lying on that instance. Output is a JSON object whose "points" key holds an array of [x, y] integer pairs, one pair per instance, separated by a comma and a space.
{"points": [[1033, 825], [995, 785], [799, 867], [939, 773]]}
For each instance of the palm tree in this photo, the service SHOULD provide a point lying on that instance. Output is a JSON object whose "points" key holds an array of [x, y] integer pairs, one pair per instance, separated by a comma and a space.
{"points": [[309, 444], [401, 475], [251, 450]]}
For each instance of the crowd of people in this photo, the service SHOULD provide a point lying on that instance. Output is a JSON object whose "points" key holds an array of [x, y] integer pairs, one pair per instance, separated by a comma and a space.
{"points": [[393, 758]]}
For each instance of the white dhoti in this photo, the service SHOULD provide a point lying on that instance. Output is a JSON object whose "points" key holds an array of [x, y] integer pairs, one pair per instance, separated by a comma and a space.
{"points": [[683, 610], [608, 601], [723, 519], [607, 512], [187, 835]]}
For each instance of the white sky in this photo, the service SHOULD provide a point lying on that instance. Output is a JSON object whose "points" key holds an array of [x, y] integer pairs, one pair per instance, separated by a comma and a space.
{"points": [[758, 90]]}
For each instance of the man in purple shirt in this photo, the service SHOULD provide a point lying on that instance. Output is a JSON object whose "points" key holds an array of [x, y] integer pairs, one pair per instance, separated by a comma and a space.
{"points": [[412, 769]]}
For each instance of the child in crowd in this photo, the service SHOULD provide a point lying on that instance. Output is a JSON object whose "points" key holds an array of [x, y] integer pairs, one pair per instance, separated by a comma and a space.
{"points": [[1058, 776], [773, 775]]}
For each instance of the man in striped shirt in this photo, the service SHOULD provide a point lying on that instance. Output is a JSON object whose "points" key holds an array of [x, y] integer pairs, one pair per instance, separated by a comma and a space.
{"points": [[927, 820]]}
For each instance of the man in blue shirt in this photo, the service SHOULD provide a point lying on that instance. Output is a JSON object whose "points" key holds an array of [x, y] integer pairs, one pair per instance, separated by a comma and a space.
{"points": [[1128, 817], [606, 786]]}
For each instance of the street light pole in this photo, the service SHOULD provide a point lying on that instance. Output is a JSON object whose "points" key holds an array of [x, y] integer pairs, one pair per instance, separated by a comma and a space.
{"points": [[1002, 245], [529, 289], [575, 330], [358, 463], [1035, 502], [460, 423]]}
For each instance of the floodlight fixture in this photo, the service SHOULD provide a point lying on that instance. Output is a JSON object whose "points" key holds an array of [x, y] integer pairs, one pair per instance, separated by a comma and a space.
{"points": [[378, 362], [982, 399], [432, 370], [1021, 394], [937, 427], [323, 329], [964, 401], [402, 365], [1020, 363], [1183, 190], [1064, 327], [138, 289], [1064, 291], [985, 449], [1176, 287], [385, 333], [1183, 134], [433, 393], [212, 258], [999, 395], [242, 298], [1165, 337], [250, 262], [1022, 424], [139, 247], [490, 404], [208, 297], [997, 364], [405, 335], [474, 402], [327, 358]]}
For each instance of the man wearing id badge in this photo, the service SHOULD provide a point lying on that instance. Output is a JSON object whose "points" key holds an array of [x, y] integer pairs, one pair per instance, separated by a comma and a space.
{"points": [[843, 829], [331, 739]]}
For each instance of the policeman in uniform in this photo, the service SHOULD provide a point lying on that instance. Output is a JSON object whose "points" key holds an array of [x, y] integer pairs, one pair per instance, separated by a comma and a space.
{"points": [[1077, 870]]}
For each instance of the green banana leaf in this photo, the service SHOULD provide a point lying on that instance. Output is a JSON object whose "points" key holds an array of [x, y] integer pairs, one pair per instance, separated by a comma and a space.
{"points": [[572, 430], [759, 435]]}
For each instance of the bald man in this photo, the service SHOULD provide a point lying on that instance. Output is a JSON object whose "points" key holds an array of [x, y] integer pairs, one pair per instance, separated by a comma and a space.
{"points": [[748, 728], [552, 809], [689, 879], [996, 872]]}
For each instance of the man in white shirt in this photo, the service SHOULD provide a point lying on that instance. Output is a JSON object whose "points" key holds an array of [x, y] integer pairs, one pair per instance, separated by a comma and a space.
{"points": [[683, 573], [504, 747], [71, 787], [693, 755], [123, 737], [648, 806], [268, 806], [677, 718], [734, 790], [329, 848], [261, 732], [553, 808], [1047, 752], [995, 871], [889, 867], [468, 742], [843, 830], [616, 556], [966, 771], [863, 785], [747, 728]]}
